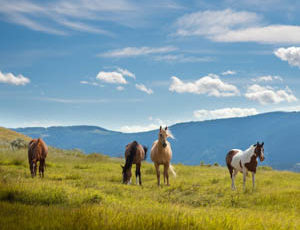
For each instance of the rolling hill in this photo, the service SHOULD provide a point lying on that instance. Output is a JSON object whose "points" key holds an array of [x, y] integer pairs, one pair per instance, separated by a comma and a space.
{"points": [[194, 142]]}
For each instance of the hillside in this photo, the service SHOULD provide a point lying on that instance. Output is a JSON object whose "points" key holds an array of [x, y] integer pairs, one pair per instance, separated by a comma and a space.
{"points": [[7, 135], [206, 141], [85, 192]]}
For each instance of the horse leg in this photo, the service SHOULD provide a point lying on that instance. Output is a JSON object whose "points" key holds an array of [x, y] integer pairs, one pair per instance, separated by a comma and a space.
{"points": [[136, 173], [34, 168], [41, 167], [244, 179], [166, 172], [157, 173], [234, 173], [31, 169], [139, 173], [253, 180]]}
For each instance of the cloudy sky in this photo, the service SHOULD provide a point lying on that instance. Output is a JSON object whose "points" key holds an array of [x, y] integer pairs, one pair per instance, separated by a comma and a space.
{"points": [[133, 65]]}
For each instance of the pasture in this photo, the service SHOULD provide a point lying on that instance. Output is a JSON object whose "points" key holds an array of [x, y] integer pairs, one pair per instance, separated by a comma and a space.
{"points": [[85, 192]]}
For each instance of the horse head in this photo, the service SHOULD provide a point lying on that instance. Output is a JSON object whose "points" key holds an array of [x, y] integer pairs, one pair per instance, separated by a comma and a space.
{"points": [[259, 151], [126, 172], [163, 135]]}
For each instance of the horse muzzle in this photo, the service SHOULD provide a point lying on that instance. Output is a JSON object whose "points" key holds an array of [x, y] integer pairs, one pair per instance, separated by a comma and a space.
{"points": [[164, 145], [262, 159]]}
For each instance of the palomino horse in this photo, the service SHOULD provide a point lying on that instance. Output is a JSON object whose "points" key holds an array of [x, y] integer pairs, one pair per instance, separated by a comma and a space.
{"points": [[244, 161], [161, 154], [37, 151], [134, 154]]}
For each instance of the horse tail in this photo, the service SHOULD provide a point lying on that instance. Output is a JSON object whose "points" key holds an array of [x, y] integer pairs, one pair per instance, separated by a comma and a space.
{"points": [[172, 170], [145, 150], [130, 157]]}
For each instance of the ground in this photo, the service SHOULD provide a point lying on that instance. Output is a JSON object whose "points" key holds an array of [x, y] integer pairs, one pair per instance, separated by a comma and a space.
{"points": [[85, 192]]}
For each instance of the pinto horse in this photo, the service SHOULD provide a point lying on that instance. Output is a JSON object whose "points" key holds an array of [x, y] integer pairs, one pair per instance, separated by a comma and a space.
{"points": [[161, 154], [37, 151], [134, 154], [244, 161]]}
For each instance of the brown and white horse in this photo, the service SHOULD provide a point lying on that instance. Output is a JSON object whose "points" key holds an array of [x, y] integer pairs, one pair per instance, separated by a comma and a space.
{"points": [[161, 154], [134, 154], [244, 161], [37, 151]]}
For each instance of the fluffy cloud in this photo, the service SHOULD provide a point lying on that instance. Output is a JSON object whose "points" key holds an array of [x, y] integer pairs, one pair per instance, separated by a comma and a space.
{"points": [[291, 55], [235, 26], [224, 113], [268, 95], [137, 51], [143, 88], [211, 85], [120, 88], [229, 72], [126, 72], [111, 77], [10, 78], [138, 128], [267, 78]]}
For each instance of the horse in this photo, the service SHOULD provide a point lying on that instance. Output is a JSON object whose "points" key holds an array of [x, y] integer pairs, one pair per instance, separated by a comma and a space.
{"points": [[37, 151], [244, 161], [161, 154], [134, 154]]}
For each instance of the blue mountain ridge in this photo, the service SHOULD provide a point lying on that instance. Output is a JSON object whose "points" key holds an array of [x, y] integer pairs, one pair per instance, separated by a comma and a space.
{"points": [[196, 141]]}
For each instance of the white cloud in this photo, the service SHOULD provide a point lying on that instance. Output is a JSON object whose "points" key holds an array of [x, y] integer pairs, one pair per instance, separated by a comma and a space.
{"points": [[268, 95], [137, 51], [126, 72], [211, 85], [267, 78], [111, 77], [120, 88], [204, 114], [143, 88], [89, 83], [182, 58], [291, 55], [235, 26], [10, 78], [138, 128], [229, 72]]}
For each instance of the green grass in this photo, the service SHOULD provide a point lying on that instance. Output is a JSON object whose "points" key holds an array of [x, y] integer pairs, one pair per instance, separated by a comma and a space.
{"points": [[85, 192]]}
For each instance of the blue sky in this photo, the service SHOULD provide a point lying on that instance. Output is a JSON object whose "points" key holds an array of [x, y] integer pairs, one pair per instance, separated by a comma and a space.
{"points": [[134, 65]]}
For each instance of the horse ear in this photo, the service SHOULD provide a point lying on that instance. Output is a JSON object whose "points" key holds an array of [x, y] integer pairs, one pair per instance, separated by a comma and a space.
{"points": [[160, 128], [257, 143], [166, 128], [262, 144]]}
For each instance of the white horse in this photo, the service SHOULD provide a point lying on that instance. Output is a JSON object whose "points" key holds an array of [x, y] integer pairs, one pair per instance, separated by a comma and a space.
{"points": [[244, 161], [161, 154]]}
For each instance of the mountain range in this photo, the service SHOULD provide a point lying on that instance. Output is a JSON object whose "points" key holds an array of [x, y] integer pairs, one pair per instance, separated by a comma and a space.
{"points": [[195, 142]]}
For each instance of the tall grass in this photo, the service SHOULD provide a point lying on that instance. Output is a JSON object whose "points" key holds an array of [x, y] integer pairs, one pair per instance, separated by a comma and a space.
{"points": [[85, 192]]}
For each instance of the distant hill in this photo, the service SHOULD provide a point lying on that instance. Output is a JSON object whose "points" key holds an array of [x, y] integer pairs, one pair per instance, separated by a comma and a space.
{"points": [[207, 141], [7, 135]]}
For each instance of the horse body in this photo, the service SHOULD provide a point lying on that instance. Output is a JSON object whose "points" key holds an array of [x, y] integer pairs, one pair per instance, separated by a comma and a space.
{"points": [[161, 154], [37, 151], [134, 154], [244, 161]]}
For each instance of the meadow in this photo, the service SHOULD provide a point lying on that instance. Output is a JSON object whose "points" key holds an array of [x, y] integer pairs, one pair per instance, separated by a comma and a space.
{"points": [[85, 192]]}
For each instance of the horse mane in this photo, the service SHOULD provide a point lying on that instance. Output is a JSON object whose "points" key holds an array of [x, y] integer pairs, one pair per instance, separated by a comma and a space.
{"points": [[130, 157], [170, 134], [247, 151], [145, 150]]}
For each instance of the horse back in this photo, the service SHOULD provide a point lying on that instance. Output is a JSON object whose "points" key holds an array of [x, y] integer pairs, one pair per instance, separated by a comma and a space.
{"points": [[37, 149]]}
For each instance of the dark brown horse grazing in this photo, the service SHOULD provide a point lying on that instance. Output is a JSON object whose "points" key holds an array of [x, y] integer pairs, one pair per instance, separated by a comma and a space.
{"points": [[134, 154], [37, 151]]}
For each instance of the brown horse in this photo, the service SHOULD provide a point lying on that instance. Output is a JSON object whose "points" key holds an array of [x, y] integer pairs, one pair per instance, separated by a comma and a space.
{"points": [[134, 154], [161, 154], [37, 151]]}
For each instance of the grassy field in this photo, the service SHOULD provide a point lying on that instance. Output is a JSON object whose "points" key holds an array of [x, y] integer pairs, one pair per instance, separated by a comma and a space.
{"points": [[85, 192]]}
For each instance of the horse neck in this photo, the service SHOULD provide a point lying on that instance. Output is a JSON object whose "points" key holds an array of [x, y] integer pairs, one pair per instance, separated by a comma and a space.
{"points": [[249, 152]]}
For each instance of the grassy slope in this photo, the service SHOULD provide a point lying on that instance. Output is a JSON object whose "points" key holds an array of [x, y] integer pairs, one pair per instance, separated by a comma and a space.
{"points": [[84, 192], [7, 135]]}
